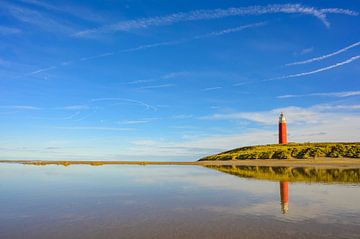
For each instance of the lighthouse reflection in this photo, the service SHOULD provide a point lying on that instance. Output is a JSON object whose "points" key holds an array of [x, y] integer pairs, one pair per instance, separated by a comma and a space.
{"points": [[284, 175], [284, 196]]}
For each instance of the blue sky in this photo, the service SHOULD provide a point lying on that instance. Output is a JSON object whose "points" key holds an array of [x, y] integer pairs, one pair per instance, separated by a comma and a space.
{"points": [[174, 80]]}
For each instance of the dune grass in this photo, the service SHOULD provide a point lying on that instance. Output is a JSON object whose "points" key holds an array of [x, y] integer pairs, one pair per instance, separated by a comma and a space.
{"points": [[290, 151]]}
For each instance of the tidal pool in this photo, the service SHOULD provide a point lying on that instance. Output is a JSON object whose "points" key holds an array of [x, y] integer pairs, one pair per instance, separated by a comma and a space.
{"points": [[123, 201]]}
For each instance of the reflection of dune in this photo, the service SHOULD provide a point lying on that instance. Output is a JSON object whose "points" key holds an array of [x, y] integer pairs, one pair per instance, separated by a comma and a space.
{"points": [[301, 174]]}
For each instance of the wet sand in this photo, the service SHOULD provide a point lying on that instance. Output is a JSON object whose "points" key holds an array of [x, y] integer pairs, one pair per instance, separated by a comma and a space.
{"points": [[319, 162]]}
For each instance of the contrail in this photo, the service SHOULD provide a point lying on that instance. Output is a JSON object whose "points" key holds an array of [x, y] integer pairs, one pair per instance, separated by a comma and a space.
{"points": [[230, 30], [354, 58], [126, 100], [340, 94], [217, 14], [325, 56], [208, 35], [154, 45]]}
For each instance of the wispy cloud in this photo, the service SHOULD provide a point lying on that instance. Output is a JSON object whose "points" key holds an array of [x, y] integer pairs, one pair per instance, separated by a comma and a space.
{"points": [[182, 116], [20, 107], [296, 115], [134, 122], [125, 100], [230, 30], [217, 14], [340, 94], [73, 10], [42, 70], [97, 56], [9, 31], [94, 128], [325, 56], [212, 88], [153, 45], [36, 18], [306, 51], [354, 58], [156, 86], [74, 107]]}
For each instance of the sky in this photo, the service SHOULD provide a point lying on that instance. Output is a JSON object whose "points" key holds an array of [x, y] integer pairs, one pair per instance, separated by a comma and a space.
{"points": [[174, 80]]}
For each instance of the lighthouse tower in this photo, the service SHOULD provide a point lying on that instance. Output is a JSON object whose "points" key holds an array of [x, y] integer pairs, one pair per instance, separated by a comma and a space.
{"points": [[282, 129]]}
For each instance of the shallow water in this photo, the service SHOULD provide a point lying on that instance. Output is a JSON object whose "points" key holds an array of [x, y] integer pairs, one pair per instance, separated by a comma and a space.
{"points": [[120, 201]]}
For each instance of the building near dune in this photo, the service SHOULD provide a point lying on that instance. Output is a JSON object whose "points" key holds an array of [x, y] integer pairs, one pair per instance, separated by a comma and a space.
{"points": [[282, 129]]}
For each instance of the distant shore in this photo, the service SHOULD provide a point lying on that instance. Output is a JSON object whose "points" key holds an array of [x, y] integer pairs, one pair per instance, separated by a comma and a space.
{"points": [[319, 162]]}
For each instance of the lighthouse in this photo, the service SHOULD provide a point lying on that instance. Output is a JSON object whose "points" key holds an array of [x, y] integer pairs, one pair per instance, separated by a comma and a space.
{"points": [[282, 129]]}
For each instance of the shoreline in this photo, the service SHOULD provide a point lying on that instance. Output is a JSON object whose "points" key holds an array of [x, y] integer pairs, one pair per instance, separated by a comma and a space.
{"points": [[320, 162]]}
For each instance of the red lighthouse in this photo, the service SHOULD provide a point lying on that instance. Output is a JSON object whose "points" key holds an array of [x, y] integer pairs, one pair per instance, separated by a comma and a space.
{"points": [[282, 129]]}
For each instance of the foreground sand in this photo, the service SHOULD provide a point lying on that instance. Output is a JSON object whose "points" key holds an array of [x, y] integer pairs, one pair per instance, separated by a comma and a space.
{"points": [[319, 162]]}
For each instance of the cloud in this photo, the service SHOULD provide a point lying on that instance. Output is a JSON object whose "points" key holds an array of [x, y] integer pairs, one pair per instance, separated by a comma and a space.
{"points": [[147, 46], [354, 58], [153, 45], [42, 70], [181, 116], [307, 51], [326, 94], [325, 56], [20, 107], [231, 30], [9, 31], [36, 18], [134, 122], [197, 15], [296, 115], [74, 107], [97, 56], [94, 128], [75, 11], [156, 86], [212, 88], [126, 100], [198, 37]]}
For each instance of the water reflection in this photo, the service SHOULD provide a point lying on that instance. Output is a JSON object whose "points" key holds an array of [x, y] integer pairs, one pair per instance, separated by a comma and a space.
{"points": [[284, 196], [294, 174], [120, 201]]}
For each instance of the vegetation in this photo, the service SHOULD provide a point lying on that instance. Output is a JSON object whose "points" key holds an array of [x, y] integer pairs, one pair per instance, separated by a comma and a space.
{"points": [[301, 174], [291, 151]]}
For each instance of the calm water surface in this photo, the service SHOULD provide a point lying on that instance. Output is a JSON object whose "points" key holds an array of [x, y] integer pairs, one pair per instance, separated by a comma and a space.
{"points": [[119, 201]]}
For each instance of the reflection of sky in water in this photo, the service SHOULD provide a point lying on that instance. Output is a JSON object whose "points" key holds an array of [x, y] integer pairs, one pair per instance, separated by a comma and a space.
{"points": [[34, 198]]}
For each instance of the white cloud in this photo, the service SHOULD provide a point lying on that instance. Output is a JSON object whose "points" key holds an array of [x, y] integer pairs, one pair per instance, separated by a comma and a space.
{"points": [[125, 100], [212, 88], [339, 64], [197, 15], [156, 86], [325, 56], [9, 31], [134, 122], [307, 51], [21, 107], [340, 94], [231, 30], [93, 128], [74, 107], [97, 56]]}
